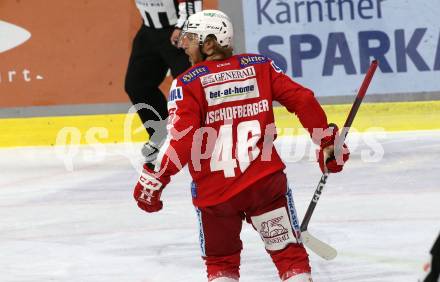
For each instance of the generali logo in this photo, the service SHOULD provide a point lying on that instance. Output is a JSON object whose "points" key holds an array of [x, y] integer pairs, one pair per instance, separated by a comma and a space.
{"points": [[13, 36]]}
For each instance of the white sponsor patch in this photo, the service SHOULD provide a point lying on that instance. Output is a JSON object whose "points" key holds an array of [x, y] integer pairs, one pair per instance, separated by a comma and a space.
{"points": [[275, 229], [232, 91], [228, 75], [176, 94]]}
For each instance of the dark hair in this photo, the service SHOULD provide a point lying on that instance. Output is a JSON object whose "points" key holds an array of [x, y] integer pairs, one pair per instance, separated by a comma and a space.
{"points": [[225, 51]]}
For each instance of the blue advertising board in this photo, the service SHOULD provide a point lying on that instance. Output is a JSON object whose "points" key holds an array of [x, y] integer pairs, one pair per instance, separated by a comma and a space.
{"points": [[327, 45]]}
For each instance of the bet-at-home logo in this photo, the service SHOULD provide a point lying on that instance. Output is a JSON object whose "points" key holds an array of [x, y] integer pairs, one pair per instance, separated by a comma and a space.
{"points": [[232, 91]]}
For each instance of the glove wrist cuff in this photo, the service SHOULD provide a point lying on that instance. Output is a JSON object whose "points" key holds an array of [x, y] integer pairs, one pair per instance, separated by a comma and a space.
{"points": [[149, 182], [329, 136]]}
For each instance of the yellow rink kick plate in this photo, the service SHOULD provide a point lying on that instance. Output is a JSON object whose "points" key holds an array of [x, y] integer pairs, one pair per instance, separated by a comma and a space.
{"points": [[119, 128]]}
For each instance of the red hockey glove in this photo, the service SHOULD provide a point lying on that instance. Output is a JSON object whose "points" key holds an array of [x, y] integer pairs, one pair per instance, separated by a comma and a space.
{"points": [[326, 157], [149, 188]]}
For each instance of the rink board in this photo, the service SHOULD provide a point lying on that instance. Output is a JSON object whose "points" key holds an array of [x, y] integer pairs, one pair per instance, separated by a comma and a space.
{"points": [[120, 128]]}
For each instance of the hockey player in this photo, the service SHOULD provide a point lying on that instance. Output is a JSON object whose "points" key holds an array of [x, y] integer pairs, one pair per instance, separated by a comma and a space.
{"points": [[221, 124], [154, 51]]}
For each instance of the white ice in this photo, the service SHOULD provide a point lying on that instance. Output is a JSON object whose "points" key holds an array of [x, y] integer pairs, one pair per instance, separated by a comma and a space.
{"points": [[67, 214]]}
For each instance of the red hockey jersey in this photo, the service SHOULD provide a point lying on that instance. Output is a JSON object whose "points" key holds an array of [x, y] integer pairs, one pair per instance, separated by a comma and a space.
{"points": [[221, 124]]}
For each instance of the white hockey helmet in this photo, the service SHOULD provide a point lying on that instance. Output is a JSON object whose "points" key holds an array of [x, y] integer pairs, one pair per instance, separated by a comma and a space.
{"points": [[210, 22]]}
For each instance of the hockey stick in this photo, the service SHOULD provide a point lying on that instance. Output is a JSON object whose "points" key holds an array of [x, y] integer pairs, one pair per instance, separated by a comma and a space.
{"points": [[317, 246]]}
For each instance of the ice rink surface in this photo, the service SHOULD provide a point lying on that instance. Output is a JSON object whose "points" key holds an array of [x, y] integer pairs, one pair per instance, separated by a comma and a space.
{"points": [[67, 214]]}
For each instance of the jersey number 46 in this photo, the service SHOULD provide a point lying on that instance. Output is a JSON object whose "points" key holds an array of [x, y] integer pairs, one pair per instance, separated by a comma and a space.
{"points": [[248, 135]]}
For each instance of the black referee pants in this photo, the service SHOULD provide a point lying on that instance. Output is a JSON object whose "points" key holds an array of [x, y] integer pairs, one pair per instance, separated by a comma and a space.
{"points": [[434, 274], [151, 56]]}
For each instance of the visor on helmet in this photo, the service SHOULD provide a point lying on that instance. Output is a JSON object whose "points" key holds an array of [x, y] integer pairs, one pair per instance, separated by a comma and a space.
{"points": [[192, 38]]}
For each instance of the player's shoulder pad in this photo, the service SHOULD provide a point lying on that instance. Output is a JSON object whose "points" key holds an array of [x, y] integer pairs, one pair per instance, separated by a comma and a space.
{"points": [[252, 59], [193, 73], [276, 67]]}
